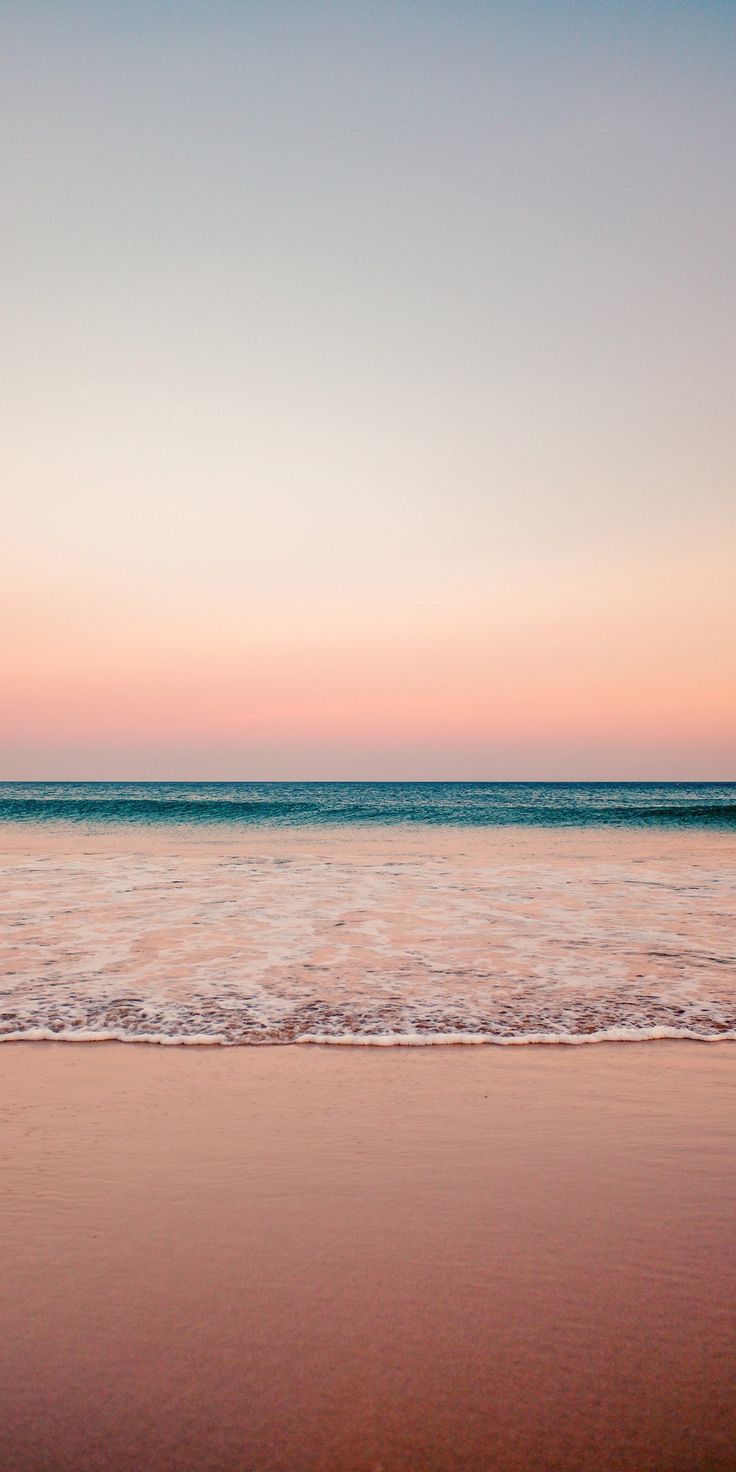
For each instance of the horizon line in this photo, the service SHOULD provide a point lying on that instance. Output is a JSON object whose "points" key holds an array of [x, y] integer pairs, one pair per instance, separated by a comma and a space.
{"points": [[374, 781]]}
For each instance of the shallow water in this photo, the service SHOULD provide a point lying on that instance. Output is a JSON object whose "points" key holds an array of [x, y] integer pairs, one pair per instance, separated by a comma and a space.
{"points": [[382, 933]]}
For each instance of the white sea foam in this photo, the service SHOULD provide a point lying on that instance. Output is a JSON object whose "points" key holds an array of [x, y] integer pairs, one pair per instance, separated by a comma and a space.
{"points": [[500, 940], [521, 1040], [376, 1040]]}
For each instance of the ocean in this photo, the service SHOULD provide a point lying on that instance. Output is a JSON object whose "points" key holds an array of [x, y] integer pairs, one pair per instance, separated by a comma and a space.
{"points": [[367, 913]]}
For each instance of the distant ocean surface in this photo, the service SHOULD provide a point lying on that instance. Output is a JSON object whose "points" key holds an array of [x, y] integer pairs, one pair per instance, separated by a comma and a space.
{"points": [[367, 913], [544, 804]]}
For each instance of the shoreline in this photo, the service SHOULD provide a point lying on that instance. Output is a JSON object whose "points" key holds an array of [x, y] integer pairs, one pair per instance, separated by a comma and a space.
{"points": [[353, 939], [613, 1037]]}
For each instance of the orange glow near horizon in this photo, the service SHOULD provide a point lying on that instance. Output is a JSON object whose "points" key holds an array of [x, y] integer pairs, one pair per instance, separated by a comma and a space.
{"points": [[390, 439], [466, 690]]}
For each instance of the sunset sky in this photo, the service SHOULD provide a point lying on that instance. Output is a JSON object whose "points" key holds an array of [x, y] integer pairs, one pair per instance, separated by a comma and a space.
{"points": [[368, 389]]}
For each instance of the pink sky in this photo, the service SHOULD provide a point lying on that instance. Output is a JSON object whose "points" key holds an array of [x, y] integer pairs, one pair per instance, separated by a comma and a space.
{"points": [[369, 394]]}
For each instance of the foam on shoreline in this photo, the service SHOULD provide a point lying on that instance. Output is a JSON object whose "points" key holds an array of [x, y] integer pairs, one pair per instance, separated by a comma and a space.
{"points": [[376, 1040]]}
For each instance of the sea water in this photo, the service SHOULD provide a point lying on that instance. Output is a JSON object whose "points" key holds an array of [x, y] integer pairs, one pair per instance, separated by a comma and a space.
{"points": [[367, 913]]}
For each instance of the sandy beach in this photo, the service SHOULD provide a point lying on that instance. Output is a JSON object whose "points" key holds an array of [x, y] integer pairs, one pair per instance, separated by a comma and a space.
{"points": [[367, 737], [308, 1258]]}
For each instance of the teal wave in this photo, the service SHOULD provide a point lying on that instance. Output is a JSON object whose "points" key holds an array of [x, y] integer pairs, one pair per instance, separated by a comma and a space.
{"points": [[537, 804]]}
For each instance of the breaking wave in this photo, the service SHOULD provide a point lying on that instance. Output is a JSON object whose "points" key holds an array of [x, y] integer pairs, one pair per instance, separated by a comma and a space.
{"points": [[523, 804]]}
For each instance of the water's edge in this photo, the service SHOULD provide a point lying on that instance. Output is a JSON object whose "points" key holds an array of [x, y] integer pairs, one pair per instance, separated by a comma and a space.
{"points": [[395, 1040], [444, 932]]}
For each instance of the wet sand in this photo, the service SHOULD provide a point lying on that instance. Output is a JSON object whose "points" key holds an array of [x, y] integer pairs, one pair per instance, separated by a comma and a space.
{"points": [[336, 1259]]}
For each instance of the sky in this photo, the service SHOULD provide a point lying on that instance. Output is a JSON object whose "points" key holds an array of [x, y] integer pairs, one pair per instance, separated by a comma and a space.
{"points": [[368, 384]]}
